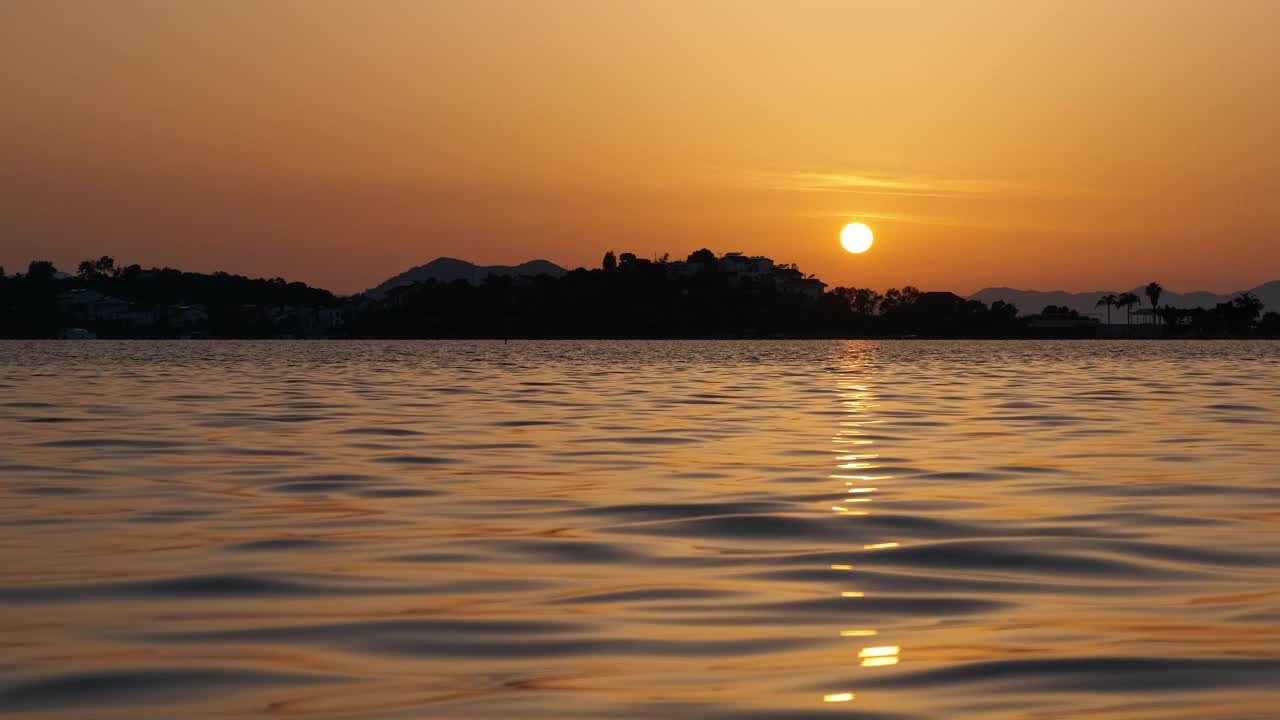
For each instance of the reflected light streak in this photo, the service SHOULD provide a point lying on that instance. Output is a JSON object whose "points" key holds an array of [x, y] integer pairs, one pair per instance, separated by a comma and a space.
{"points": [[857, 633], [838, 697], [881, 546], [841, 567], [852, 593], [863, 490], [879, 656]]}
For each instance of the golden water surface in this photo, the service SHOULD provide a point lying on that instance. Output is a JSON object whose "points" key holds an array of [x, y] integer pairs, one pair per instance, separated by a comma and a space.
{"points": [[758, 530]]}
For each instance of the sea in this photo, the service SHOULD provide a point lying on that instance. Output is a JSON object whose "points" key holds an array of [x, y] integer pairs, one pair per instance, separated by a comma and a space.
{"points": [[875, 530]]}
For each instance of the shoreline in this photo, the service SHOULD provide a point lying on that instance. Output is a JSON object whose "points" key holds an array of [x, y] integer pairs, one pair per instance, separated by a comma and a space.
{"points": [[709, 338]]}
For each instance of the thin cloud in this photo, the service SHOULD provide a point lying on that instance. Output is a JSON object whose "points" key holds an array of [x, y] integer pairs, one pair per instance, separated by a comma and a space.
{"points": [[943, 222], [913, 219], [885, 184]]}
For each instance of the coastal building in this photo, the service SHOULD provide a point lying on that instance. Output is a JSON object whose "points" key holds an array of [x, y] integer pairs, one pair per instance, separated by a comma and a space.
{"points": [[743, 268], [754, 270], [940, 300], [789, 279], [1119, 331], [331, 318], [811, 288], [92, 306], [187, 316], [1049, 320], [1055, 322], [680, 269]]}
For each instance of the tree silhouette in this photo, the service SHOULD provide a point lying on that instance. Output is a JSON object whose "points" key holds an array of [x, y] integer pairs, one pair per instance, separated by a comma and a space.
{"points": [[104, 266], [1269, 326], [862, 301], [844, 294], [1109, 301], [1127, 301], [866, 301], [1173, 316], [890, 301], [1153, 291], [1005, 313], [41, 270], [626, 297], [1249, 306], [703, 257]]}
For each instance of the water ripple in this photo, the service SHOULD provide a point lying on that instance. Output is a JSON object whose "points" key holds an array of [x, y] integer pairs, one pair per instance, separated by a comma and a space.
{"points": [[705, 530]]}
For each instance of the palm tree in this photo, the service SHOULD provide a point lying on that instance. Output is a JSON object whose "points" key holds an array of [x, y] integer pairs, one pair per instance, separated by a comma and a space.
{"points": [[1109, 300], [1153, 291], [1249, 305], [1127, 301]]}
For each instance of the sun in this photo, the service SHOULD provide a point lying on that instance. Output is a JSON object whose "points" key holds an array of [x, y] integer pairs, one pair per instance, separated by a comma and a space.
{"points": [[856, 238]]}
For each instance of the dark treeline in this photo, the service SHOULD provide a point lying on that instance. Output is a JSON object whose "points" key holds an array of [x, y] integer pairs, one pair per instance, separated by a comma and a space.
{"points": [[1242, 317], [644, 299], [702, 296], [129, 301]]}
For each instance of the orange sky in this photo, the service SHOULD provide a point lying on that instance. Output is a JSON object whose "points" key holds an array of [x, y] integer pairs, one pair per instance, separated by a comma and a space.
{"points": [[1082, 145]]}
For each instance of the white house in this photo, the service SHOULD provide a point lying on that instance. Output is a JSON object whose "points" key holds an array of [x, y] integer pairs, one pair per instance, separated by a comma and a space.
{"points": [[742, 267]]}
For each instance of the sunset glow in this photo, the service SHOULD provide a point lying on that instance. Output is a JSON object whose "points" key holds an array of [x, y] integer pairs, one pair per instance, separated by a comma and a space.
{"points": [[1012, 144], [639, 359]]}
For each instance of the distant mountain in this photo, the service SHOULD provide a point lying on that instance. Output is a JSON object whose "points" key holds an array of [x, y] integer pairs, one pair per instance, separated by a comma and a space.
{"points": [[1033, 301], [447, 270], [1269, 294]]}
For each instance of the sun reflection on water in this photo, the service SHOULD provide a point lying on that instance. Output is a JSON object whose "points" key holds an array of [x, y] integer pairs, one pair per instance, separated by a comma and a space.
{"points": [[873, 656], [879, 656]]}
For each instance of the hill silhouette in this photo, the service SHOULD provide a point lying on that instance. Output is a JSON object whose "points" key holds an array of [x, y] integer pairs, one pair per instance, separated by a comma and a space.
{"points": [[1086, 302], [702, 296], [447, 270]]}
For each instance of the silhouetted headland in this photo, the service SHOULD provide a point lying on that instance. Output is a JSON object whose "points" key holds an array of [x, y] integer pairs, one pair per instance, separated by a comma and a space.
{"points": [[702, 296]]}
